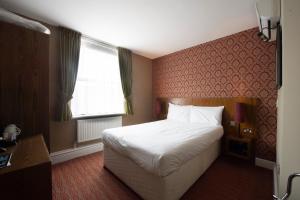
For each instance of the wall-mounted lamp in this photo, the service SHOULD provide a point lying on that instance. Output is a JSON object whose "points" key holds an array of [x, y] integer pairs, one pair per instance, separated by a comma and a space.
{"points": [[268, 15], [157, 108], [239, 116], [13, 18]]}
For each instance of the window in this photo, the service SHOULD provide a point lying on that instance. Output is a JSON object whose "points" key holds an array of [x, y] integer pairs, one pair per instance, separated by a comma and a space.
{"points": [[98, 89]]}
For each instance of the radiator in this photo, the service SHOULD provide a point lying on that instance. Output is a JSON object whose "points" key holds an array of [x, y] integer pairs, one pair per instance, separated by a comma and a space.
{"points": [[91, 129]]}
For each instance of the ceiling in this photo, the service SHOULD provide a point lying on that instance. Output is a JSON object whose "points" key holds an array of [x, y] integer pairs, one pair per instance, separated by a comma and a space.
{"points": [[151, 28]]}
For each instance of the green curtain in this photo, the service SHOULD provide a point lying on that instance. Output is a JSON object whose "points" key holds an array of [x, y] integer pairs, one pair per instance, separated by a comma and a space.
{"points": [[69, 49], [125, 63]]}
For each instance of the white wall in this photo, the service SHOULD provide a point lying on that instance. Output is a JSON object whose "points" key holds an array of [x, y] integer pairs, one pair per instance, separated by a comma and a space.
{"points": [[288, 139]]}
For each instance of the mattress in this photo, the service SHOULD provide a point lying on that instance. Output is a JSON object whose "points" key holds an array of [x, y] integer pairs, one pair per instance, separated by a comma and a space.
{"points": [[162, 147]]}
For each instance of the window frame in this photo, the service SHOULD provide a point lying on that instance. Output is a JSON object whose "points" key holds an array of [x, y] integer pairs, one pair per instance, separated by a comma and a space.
{"points": [[109, 47], [98, 116]]}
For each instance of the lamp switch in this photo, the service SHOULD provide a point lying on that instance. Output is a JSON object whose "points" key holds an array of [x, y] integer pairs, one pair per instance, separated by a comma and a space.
{"points": [[232, 123]]}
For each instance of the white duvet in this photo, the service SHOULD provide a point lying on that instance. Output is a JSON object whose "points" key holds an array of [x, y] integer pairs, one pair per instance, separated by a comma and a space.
{"points": [[161, 147]]}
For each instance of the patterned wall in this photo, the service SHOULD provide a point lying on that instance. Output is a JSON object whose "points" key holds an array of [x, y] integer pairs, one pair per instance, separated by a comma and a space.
{"points": [[236, 65]]}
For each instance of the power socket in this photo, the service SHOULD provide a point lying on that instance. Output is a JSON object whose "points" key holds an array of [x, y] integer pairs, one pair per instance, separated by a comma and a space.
{"points": [[247, 131]]}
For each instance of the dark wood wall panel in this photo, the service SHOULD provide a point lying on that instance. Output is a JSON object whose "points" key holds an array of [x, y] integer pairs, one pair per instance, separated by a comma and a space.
{"points": [[24, 80]]}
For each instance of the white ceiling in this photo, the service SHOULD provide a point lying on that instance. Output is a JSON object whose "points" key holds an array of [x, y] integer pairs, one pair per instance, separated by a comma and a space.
{"points": [[151, 28]]}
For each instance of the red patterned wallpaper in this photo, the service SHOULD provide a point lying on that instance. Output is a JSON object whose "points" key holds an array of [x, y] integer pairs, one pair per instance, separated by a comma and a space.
{"points": [[236, 65]]}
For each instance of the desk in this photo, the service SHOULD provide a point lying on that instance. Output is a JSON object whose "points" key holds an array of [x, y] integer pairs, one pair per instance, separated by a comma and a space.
{"points": [[29, 176]]}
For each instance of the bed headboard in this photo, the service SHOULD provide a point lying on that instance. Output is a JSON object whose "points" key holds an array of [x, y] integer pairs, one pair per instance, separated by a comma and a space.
{"points": [[228, 113]]}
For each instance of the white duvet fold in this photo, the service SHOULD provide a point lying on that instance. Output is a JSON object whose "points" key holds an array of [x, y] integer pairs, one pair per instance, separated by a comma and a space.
{"points": [[161, 147]]}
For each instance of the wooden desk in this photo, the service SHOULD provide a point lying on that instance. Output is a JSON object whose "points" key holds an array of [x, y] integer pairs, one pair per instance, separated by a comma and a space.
{"points": [[29, 176]]}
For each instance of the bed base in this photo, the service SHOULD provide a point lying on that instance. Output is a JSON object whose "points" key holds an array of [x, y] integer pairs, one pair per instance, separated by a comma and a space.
{"points": [[153, 187]]}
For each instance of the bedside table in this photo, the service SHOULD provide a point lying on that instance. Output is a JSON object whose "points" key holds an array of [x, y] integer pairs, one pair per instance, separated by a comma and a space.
{"points": [[240, 147]]}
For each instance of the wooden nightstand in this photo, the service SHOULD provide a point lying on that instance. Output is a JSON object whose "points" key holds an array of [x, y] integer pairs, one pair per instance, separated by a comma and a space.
{"points": [[240, 147]]}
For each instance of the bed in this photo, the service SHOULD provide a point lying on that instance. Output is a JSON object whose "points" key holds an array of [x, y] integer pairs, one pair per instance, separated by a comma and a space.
{"points": [[162, 159]]}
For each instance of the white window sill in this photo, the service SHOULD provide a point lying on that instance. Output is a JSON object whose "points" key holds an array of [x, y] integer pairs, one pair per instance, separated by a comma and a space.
{"points": [[98, 116]]}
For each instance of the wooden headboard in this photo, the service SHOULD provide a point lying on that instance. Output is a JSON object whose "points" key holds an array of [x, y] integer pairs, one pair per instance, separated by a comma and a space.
{"points": [[228, 113]]}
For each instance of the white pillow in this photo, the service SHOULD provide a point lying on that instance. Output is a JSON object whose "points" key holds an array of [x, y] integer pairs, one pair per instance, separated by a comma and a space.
{"points": [[206, 115], [179, 112]]}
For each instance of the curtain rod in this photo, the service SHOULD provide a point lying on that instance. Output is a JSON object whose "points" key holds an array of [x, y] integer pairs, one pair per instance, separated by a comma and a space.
{"points": [[105, 44]]}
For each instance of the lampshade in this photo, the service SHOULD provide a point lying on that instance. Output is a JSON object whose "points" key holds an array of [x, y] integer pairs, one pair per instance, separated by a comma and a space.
{"points": [[239, 112], [157, 107], [13, 18], [268, 15]]}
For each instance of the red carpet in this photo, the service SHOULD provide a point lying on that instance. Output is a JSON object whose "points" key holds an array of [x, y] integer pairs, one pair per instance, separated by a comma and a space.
{"points": [[86, 179]]}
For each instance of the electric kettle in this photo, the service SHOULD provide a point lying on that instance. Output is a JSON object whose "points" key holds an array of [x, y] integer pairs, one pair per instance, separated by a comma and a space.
{"points": [[11, 132]]}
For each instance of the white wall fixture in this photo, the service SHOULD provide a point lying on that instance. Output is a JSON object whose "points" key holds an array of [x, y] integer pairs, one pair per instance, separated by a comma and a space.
{"points": [[91, 129], [268, 15], [12, 18]]}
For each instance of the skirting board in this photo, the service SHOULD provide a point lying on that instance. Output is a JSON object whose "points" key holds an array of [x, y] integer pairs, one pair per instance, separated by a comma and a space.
{"points": [[68, 154], [275, 178], [264, 163]]}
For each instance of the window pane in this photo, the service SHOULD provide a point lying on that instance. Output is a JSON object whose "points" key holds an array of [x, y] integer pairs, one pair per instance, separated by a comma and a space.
{"points": [[98, 87]]}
